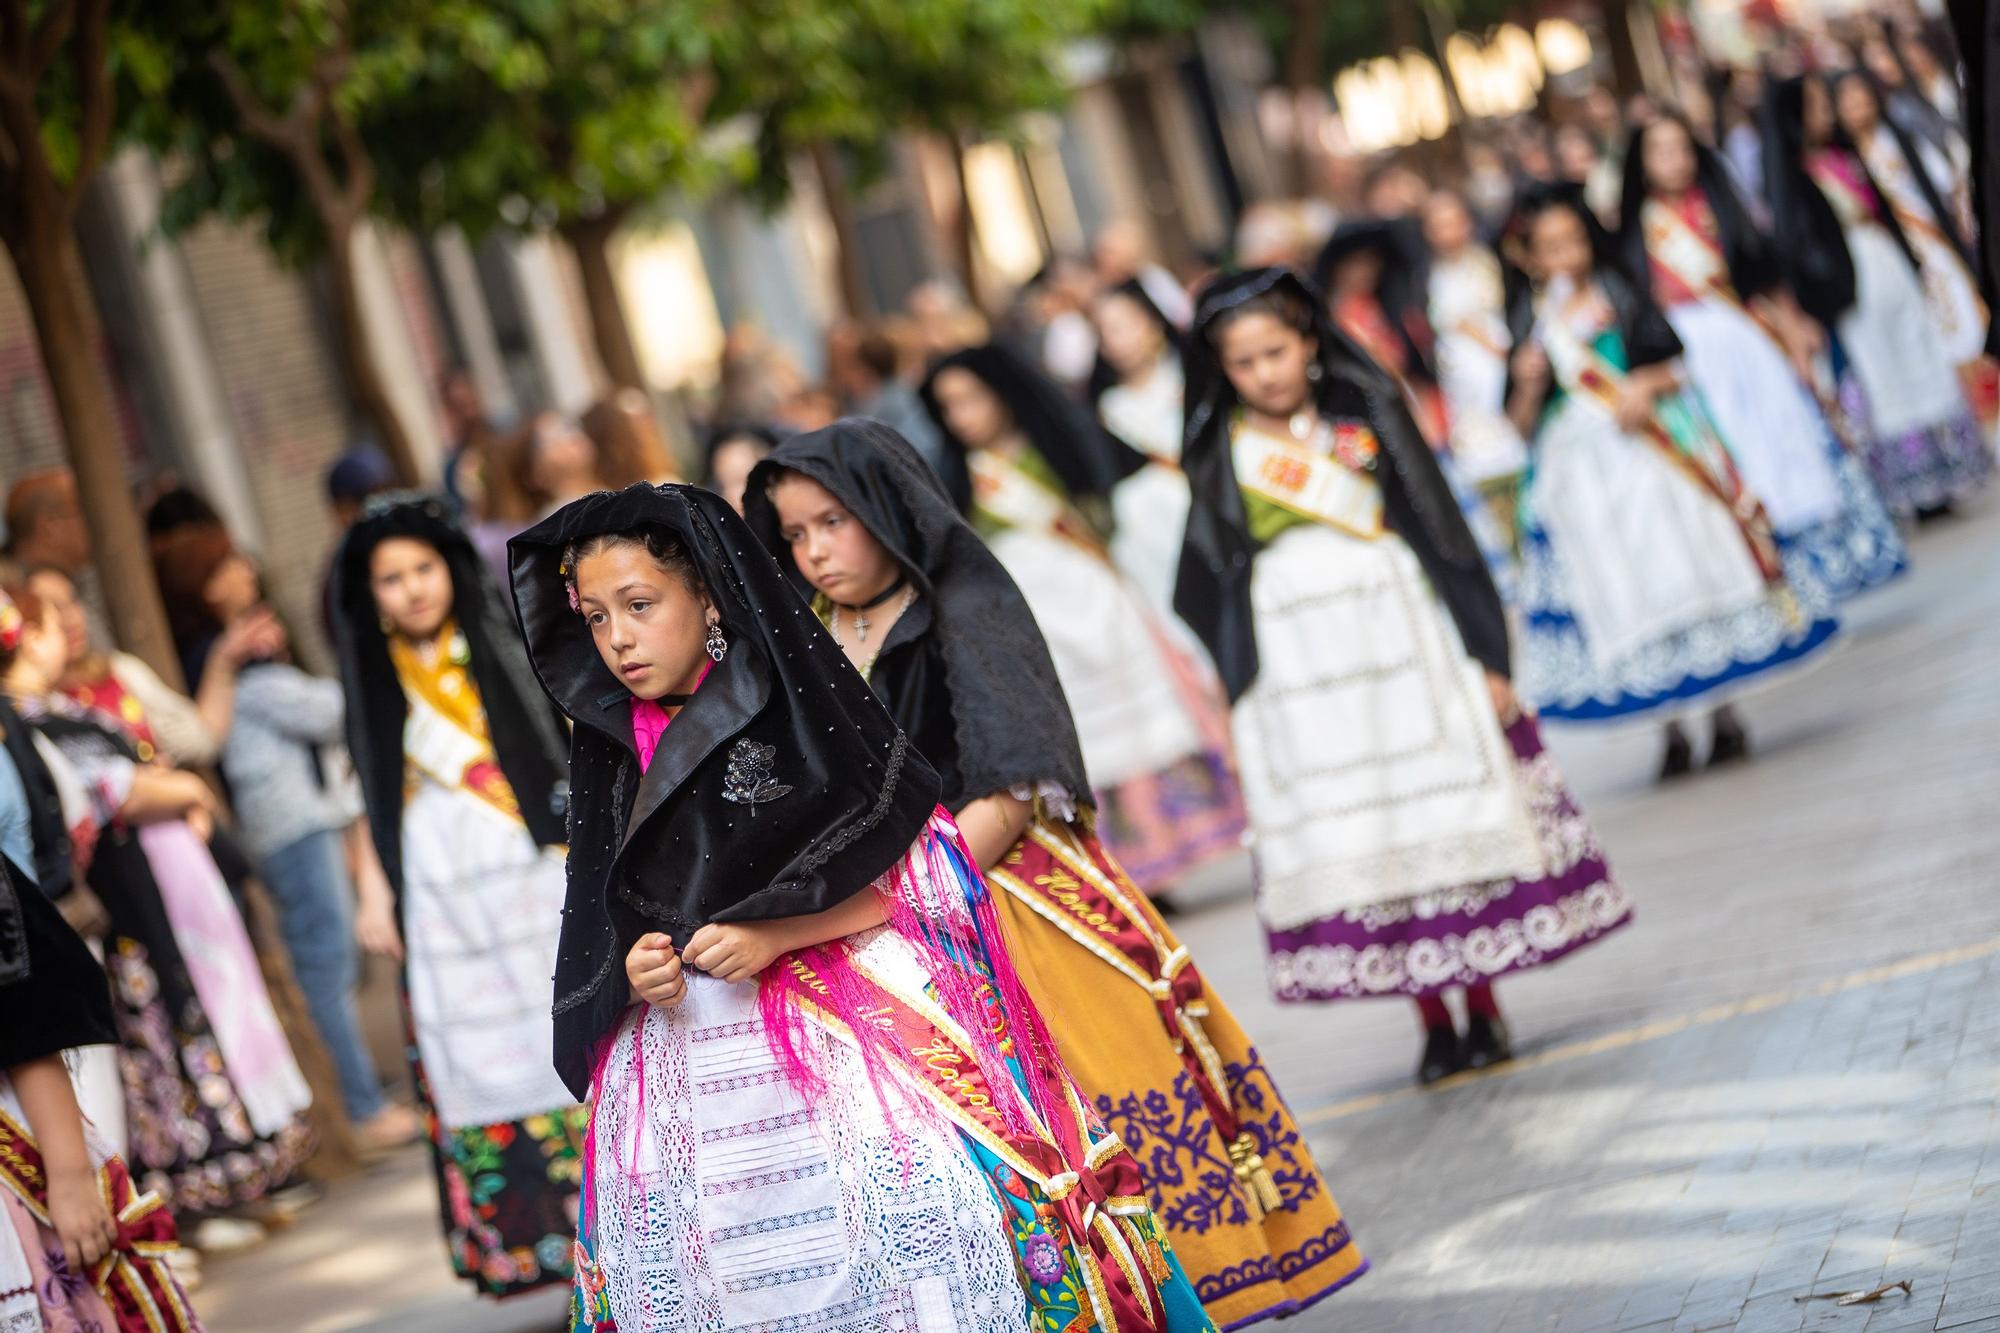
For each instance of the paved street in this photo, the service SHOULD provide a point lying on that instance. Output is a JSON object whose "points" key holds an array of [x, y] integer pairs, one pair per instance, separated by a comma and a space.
{"points": [[1779, 1082]]}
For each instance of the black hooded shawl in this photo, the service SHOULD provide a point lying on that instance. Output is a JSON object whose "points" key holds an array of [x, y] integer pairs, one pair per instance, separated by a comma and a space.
{"points": [[1212, 593], [1103, 375], [781, 789], [1753, 269], [1405, 285], [1089, 459], [53, 995], [1811, 244], [965, 671], [527, 734]]}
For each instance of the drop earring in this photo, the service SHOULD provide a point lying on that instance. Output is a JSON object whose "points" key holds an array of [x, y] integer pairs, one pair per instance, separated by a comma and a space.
{"points": [[716, 644]]}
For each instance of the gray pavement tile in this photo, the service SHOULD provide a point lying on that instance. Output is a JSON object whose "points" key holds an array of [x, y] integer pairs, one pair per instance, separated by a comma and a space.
{"points": [[1776, 1313], [1969, 1299]]}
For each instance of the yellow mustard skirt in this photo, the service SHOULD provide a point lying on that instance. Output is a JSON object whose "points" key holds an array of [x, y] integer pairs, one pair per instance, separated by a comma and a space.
{"points": [[1170, 1071]]}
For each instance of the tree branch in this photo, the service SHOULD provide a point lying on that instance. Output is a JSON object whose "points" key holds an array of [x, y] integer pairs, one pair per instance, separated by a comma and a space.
{"points": [[49, 35], [96, 97], [282, 132], [14, 33]]}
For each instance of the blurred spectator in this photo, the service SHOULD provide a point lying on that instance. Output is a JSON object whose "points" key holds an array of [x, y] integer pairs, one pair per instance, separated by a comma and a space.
{"points": [[1581, 161], [1395, 190], [294, 821], [1742, 146], [874, 386], [734, 448], [164, 722], [627, 438], [1120, 253], [470, 434], [45, 527], [1489, 186], [1060, 296], [945, 320], [1532, 159], [353, 477], [557, 464]]}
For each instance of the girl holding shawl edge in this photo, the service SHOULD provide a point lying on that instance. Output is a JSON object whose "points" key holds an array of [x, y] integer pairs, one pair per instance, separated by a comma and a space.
{"points": [[879, 1130]]}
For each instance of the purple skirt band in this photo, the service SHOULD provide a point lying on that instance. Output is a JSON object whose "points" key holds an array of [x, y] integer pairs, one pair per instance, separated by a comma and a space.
{"points": [[1471, 933]]}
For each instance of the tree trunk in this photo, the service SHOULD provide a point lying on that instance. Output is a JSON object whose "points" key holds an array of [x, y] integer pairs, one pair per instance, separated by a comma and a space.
{"points": [[962, 234], [1302, 74], [1627, 75], [590, 238], [363, 372], [840, 212], [51, 274]]}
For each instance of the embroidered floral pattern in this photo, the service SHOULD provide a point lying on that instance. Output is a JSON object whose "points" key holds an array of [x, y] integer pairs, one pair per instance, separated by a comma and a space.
{"points": [[508, 1193], [1186, 1164], [749, 779]]}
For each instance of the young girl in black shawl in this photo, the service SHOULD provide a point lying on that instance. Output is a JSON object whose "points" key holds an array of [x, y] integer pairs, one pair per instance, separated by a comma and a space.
{"points": [[463, 766], [1411, 835], [1652, 581], [1919, 186], [80, 1247], [1857, 270], [1752, 354], [963, 668], [1042, 476], [877, 1130], [1137, 388]]}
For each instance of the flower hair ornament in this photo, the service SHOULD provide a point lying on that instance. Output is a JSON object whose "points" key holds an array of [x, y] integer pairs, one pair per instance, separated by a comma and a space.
{"points": [[12, 624], [569, 585]]}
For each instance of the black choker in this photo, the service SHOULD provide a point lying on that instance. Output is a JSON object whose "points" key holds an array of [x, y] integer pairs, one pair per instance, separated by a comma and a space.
{"points": [[878, 599], [673, 700]]}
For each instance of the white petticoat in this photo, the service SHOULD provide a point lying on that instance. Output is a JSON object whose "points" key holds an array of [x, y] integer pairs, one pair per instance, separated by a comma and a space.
{"points": [[1769, 422], [1373, 765], [1905, 373], [725, 1202], [1109, 656]]}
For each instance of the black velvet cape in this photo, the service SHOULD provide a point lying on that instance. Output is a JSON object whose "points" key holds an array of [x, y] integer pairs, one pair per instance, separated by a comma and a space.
{"points": [[53, 995], [1753, 269], [965, 671], [528, 737], [1212, 593], [1088, 459], [782, 788]]}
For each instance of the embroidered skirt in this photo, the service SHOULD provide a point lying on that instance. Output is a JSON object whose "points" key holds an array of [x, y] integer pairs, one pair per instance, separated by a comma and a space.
{"points": [[1641, 598], [1057, 889], [1924, 445], [1470, 933], [480, 907], [1834, 531]]}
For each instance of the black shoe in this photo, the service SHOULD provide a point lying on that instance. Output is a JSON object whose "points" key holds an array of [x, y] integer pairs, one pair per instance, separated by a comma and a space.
{"points": [[1731, 744], [1441, 1056], [1486, 1042], [1679, 760], [1932, 513]]}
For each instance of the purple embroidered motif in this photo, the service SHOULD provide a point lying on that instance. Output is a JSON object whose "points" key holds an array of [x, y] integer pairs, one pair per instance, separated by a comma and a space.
{"points": [[1043, 1259]]}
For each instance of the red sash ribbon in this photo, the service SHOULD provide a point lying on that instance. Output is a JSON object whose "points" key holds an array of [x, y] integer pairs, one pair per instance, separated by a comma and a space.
{"points": [[133, 1277]]}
